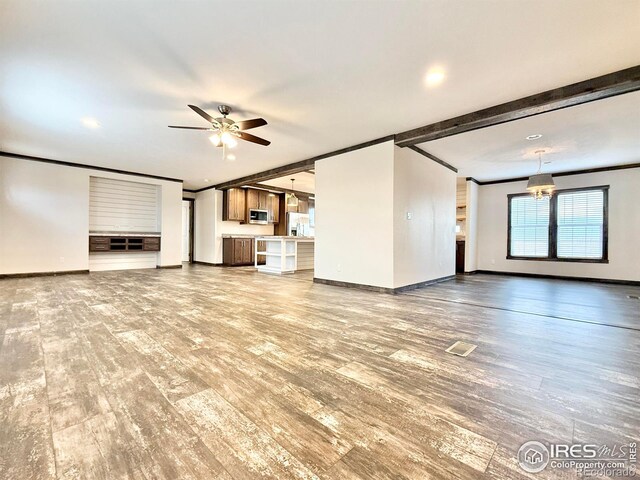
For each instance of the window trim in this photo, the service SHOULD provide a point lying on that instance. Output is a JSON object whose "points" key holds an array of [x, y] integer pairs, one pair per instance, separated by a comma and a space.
{"points": [[553, 227]]}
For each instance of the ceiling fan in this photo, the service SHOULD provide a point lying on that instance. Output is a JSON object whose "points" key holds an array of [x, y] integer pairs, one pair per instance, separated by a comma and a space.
{"points": [[226, 131]]}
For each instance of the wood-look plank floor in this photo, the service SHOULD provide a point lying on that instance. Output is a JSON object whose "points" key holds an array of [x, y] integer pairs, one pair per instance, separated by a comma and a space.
{"points": [[220, 373]]}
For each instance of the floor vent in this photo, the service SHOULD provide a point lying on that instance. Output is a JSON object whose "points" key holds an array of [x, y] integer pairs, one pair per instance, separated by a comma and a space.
{"points": [[462, 349], [634, 297]]}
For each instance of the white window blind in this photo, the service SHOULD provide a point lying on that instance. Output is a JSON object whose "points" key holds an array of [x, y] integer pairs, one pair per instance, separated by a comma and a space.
{"points": [[529, 227], [580, 224]]}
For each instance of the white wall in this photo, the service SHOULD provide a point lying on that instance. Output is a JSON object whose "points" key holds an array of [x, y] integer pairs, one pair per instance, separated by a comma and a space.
{"points": [[424, 246], [471, 228], [354, 217], [624, 228], [44, 216], [205, 226], [209, 226]]}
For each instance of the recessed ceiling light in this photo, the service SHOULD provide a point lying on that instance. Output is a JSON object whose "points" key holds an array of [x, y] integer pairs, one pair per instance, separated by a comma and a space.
{"points": [[534, 137], [435, 76], [231, 157], [90, 122]]}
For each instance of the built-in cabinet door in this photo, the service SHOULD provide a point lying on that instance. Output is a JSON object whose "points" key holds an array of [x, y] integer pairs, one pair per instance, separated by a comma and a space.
{"points": [[240, 204], [233, 204], [238, 245], [275, 208], [247, 250], [253, 200], [262, 199]]}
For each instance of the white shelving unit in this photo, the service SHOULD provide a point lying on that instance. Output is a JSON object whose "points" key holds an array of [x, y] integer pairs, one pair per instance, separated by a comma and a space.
{"points": [[282, 254]]}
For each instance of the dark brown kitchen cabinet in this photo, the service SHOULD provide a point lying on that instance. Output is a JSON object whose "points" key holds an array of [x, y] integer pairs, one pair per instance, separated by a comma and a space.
{"points": [[253, 200], [237, 251], [273, 207], [258, 199], [233, 204]]}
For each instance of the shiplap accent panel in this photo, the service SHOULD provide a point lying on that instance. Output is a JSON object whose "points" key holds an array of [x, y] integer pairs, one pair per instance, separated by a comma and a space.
{"points": [[122, 261], [121, 206], [305, 255]]}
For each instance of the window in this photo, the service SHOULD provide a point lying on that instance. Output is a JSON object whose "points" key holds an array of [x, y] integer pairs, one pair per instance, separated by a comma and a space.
{"points": [[580, 224], [569, 226], [529, 227]]}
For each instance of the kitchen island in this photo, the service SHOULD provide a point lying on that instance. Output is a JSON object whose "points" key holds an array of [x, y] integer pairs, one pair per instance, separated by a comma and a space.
{"points": [[285, 254]]}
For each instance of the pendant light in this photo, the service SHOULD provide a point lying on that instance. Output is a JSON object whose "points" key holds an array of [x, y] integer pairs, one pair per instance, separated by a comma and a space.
{"points": [[541, 184], [292, 201]]}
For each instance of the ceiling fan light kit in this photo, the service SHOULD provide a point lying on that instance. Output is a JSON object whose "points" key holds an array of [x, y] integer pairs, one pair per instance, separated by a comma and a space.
{"points": [[226, 132]]}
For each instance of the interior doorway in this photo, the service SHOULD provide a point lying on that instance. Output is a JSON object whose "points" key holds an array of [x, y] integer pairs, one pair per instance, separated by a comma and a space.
{"points": [[187, 229]]}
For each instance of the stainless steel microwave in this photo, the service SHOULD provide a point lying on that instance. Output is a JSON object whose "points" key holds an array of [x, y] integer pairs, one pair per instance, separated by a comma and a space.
{"points": [[258, 216]]}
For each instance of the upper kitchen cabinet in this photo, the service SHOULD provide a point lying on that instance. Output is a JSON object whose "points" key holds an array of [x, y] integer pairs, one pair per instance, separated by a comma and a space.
{"points": [[303, 206], [258, 199], [274, 208], [233, 204]]}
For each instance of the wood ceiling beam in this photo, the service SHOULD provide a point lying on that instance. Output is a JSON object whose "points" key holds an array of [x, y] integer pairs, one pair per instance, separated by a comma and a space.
{"points": [[433, 157], [262, 186], [598, 88], [297, 167]]}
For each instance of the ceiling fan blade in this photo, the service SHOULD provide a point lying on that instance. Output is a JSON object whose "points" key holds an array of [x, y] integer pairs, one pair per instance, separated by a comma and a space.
{"points": [[252, 138], [202, 113], [247, 124], [191, 128]]}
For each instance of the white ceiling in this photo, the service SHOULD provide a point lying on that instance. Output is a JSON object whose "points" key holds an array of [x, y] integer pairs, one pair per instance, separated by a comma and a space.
{"points": [[325, 74], [597, 134], [305, 182]]}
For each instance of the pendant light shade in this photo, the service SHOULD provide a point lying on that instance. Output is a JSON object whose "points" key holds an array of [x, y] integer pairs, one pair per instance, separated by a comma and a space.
{"points": [[292, 201], [541, 185]]}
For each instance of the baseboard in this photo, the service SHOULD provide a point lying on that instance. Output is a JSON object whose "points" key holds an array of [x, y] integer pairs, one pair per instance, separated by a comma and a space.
{"points": [[198, 262], [633, 283], [359, 286], [426, 283], [472, 272], [372, 288], [43, 274], [169, 266]]}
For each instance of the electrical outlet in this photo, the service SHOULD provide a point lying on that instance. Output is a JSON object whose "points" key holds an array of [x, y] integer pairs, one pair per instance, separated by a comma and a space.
{"points": [[339, 268], [61, 259], [409, 215]]}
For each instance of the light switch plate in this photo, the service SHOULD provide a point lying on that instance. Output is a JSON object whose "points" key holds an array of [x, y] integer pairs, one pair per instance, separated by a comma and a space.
{"points": [[409, 215]]}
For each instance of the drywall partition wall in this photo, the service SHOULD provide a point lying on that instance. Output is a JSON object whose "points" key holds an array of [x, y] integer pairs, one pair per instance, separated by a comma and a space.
{"points": [[424, 213], [624, 228], [44, 216], [170, 223], [471, 228], [354, 217], [205, 226]]}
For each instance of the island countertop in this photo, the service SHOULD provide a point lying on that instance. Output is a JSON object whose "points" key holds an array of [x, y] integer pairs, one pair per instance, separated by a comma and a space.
{"points": [[285, 254], [284, 237]]}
